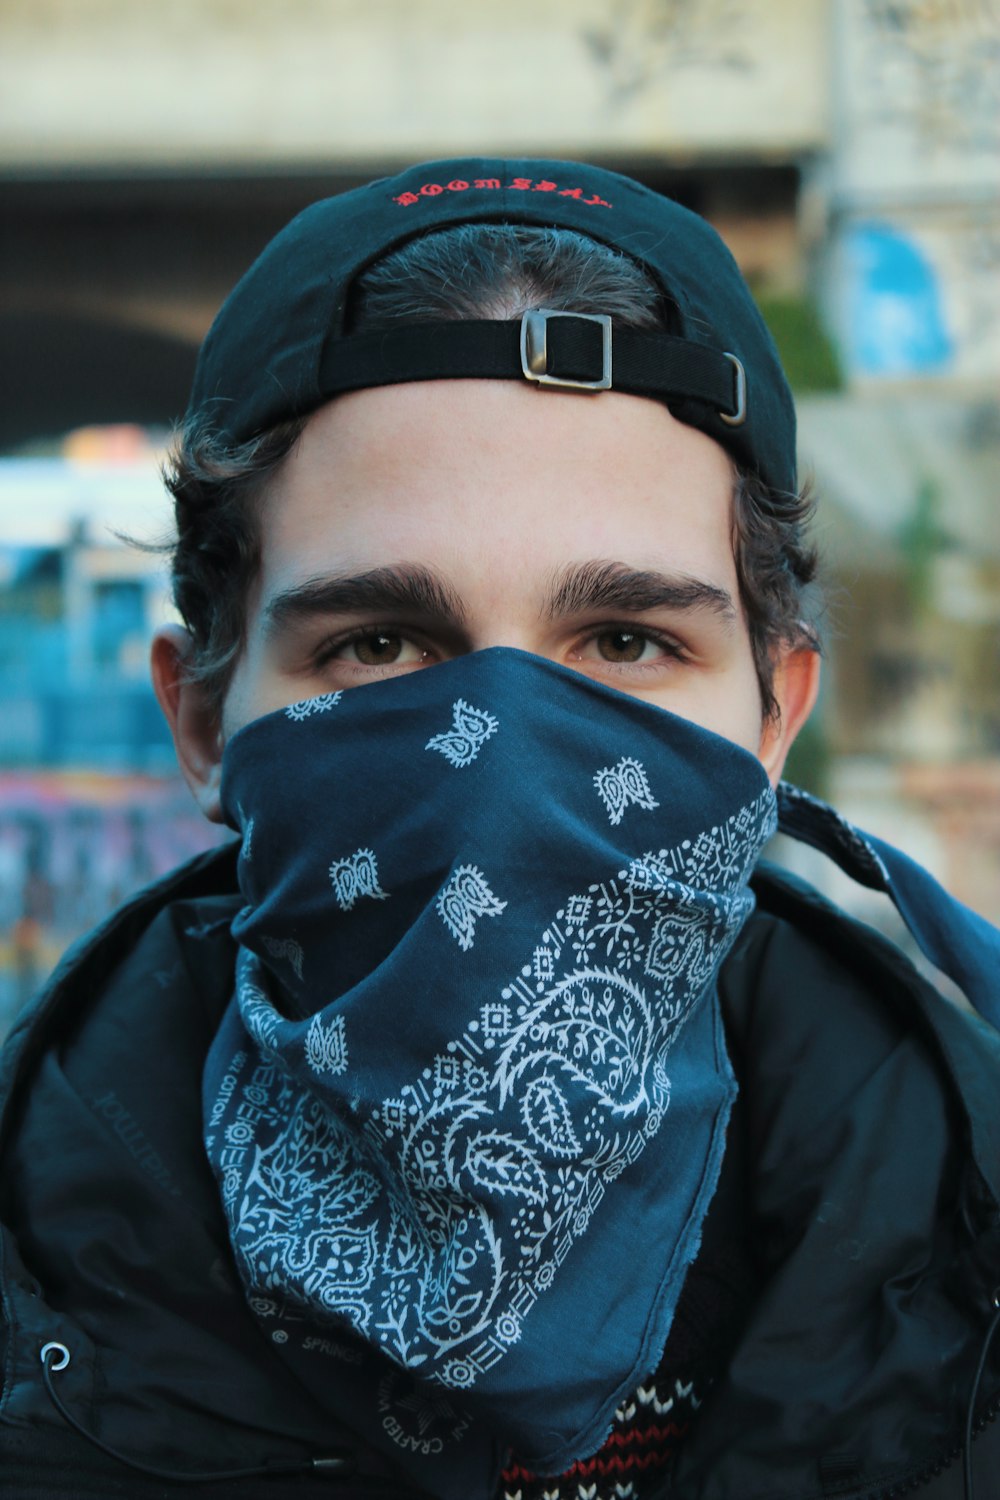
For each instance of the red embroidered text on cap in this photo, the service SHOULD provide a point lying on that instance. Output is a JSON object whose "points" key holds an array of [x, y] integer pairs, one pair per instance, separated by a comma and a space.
{"points": [[493, 184]]}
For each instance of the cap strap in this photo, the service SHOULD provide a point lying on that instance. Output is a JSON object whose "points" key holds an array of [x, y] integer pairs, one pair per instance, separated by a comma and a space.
{"points": [[643, 364]]}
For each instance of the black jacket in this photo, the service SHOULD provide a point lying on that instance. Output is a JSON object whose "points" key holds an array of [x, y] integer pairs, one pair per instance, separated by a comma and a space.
{"points": [[865, 1158]]}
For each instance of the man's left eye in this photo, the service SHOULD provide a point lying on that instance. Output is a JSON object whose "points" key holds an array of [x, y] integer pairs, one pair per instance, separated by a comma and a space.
{"points": [[622, 645], [377, 649]]}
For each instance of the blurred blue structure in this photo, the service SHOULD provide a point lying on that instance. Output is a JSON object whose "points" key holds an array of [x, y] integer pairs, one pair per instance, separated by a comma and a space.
{"points": [[76, 616], [896, 323], [91, 805]]}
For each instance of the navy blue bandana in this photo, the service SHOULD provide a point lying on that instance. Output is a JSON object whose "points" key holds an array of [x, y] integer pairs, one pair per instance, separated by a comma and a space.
{"points": [[486, 906]]}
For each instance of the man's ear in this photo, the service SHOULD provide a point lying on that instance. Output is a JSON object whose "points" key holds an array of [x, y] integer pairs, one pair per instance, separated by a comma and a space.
{"points": [[194, 724], [795, 686]]}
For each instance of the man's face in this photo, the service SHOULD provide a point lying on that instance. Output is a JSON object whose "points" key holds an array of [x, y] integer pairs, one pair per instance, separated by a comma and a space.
{"points": [[414, 523]]}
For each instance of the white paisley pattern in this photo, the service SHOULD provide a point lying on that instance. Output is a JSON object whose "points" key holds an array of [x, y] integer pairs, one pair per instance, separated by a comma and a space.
{"points": [[463, 900], [470, 729], [355, 877], [432, 1224], [326, 1045], [246, 847], [305, 708], [285, 948], [622, 786]]}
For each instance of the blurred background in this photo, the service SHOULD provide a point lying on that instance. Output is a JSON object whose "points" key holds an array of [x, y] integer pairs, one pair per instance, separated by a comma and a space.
{"points": [[847, 150]]}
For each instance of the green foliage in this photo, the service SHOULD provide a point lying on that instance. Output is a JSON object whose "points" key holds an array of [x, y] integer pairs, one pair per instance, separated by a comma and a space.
{"points": [[921, 539], [808, 764], [806, 351]]}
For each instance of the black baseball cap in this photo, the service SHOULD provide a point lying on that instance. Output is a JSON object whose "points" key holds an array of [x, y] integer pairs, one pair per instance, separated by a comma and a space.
{"points": [[280, 346]]}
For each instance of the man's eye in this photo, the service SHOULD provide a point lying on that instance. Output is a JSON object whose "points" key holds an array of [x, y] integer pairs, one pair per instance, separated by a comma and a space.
{"points": [[625, 645], [376, 650]]}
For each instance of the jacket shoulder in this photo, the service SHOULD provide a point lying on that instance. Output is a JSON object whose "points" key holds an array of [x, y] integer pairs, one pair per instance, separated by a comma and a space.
{"points": [[869, 1122], [201, 893], [821, 984]]}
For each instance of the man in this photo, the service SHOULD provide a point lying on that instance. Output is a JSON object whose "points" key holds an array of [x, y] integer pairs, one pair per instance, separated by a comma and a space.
{"points": [[485, 1122]]}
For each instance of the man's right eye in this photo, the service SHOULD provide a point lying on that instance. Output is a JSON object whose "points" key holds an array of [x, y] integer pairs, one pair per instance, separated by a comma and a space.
{"points": [[373, 648], [377, 649]]}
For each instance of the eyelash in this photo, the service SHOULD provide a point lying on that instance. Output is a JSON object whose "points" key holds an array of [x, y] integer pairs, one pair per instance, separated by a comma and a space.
{"points": [[329, 648], [671, 648], [669, 645]]}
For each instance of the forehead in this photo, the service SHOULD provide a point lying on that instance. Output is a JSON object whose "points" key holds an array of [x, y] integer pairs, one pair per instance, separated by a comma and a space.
{"points": [[471, 475]]}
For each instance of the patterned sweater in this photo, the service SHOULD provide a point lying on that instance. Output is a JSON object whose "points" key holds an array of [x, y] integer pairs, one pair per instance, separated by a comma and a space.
{"points": [[649, 1427]]}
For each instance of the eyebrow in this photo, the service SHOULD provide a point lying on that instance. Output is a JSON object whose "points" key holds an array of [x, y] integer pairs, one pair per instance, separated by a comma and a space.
{"points": [[581, 588], [591, 586], [411, 589]]}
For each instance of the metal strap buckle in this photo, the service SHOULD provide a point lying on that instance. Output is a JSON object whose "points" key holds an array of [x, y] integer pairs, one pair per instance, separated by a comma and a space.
{"points": [[740, 414], [535, 354]]}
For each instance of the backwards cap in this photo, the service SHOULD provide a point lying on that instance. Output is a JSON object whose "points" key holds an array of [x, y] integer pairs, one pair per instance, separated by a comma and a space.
{"points": [[278, 347]]}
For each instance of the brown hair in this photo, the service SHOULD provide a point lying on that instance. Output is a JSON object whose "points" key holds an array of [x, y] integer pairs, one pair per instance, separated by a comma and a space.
{"points": [[472, 271]]}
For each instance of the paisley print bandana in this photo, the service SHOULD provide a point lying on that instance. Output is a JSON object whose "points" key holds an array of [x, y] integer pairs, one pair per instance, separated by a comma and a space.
{"points": [[467, 1108]]}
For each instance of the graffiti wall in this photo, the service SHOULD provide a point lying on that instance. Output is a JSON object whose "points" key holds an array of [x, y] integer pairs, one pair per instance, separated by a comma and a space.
{"points": [[322, 80], [917, 188], [921, 90], [73, 846]]}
